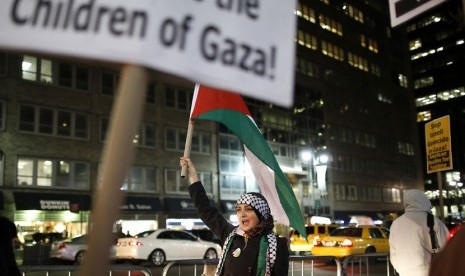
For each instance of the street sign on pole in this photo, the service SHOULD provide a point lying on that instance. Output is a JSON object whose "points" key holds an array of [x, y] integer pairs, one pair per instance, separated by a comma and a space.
{"points": [[438, 145]]}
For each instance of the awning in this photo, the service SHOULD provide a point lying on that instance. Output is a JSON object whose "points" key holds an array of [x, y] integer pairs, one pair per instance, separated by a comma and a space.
{"points": [[181, 205], [141, 204], [52, 201]]}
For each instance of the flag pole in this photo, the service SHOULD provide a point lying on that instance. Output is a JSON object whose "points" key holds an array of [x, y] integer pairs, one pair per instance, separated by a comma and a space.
{"points": [[116, 158], [187, 148]]}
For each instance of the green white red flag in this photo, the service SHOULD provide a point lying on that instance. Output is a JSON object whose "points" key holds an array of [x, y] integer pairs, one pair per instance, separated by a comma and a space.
{"points": [[230, 110]]}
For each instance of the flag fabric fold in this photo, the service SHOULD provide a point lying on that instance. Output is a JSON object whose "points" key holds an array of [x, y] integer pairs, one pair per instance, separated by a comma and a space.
{"points": [[230, 110]]}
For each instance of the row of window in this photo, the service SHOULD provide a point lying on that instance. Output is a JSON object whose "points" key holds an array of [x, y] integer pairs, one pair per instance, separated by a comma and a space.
{"points": [[77, 77], [369, 43], [352, 192], [72, 174], [357, 61], [53, 122], [56, 73], [332, 51], [423, 82], [326, 23], [353, 12], [333, 26], [307, 40], [63, 123], [310, 69], [440, 96], [372, 167], [349, 136]]}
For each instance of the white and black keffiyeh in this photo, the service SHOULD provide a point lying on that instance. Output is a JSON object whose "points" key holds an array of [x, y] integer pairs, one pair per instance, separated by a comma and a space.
{"points": [[271, 252], [257, 202]]}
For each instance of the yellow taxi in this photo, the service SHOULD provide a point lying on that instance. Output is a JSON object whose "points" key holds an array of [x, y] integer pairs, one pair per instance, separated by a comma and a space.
{"points": [[319, 227], [348, 240], [300, 246]]}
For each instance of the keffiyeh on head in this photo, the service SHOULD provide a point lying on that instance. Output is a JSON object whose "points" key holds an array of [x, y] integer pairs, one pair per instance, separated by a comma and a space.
{"points": [[258, 202]]}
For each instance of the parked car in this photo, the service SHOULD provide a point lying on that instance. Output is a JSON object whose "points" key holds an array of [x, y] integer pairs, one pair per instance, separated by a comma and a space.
{"points": [[301, 246], [206, 235], [70, 250], [73, 250], [159, 246], [348, 240]]}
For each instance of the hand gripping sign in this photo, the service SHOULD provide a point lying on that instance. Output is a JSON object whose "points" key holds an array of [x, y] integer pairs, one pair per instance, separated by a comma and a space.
{"points": [[220, 43]]}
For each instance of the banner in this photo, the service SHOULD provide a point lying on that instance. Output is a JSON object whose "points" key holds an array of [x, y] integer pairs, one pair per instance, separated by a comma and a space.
{"points": [[240, 45]]}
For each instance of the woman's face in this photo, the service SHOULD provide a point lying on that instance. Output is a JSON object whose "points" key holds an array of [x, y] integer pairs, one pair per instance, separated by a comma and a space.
{"points": [[246, 217]]}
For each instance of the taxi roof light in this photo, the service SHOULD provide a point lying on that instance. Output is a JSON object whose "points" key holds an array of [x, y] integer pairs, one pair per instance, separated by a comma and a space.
{"points": [[320, 220]]}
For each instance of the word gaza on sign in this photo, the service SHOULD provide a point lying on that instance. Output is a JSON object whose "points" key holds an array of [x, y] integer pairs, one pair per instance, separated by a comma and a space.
{"points": [[245, 46]]}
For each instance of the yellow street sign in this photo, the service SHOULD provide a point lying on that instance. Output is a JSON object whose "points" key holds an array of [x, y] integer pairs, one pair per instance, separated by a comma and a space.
{"points": [[438, 145]]}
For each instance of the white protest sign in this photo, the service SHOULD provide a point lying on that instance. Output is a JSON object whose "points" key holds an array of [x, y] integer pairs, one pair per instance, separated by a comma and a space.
{"points": [[245, 46]]}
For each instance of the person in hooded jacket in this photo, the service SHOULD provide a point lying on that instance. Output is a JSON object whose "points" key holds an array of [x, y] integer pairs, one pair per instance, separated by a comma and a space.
{"points": [[409, 239], [252, 248]]}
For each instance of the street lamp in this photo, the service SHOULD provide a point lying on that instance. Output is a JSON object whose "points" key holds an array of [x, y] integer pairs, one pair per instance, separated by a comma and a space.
{"points": [[308, 158], [316, 173]]}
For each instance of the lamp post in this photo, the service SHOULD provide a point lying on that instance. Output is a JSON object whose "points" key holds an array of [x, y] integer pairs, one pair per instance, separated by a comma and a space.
{"points": [[308, 158], [317, 165]]}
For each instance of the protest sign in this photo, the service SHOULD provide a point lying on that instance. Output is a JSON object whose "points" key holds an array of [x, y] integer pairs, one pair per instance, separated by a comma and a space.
{"points": [[240, 45]]}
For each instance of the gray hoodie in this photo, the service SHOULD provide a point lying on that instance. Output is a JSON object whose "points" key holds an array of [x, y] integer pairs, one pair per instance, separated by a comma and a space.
{"points": [[409, 240]]}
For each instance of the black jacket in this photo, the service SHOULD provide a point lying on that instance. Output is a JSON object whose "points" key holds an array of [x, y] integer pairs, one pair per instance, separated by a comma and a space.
{"points": [[8, 232], [246, 263]]}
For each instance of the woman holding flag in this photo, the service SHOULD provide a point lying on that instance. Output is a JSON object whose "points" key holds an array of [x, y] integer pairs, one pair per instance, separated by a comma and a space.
{"points": [[251, 248]]}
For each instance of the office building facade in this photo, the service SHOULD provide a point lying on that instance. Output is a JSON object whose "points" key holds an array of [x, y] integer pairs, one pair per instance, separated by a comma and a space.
{"points": [[437, 48]]}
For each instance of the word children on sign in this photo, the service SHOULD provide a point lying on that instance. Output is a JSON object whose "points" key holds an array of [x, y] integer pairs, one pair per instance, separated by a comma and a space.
{"points": [[239, 45]]}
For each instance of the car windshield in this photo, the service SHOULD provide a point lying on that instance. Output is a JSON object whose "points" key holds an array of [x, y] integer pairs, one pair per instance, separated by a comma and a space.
{"points": [[347, 232], [144, 234], [310, 230], [80, 239]]}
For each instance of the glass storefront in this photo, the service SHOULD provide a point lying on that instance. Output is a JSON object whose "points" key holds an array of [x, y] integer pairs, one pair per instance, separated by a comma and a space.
{"points": [[65, 223]]}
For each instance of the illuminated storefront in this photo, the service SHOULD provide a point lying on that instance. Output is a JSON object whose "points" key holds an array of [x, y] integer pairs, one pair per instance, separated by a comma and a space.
{"points": [[67, 214]]}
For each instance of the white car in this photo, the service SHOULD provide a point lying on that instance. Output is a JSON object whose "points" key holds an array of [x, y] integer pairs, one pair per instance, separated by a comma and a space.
{"points": [[73, 250], [159, 246], [70, 250]]}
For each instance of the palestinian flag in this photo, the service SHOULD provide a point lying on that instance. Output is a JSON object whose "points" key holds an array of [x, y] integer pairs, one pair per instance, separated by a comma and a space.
{"points": [[230, 110]]}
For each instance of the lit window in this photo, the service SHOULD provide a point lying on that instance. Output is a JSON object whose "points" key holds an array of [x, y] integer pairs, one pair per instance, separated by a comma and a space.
{"points": [[53, 173]]}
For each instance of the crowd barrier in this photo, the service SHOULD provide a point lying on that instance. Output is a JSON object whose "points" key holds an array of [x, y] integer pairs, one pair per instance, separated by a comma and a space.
{"points": [[344, 266], [298, 265], [72, 269]]}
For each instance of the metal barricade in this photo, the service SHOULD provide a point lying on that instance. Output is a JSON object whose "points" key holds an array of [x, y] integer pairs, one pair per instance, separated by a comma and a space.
{"points": [[205, 263], [312, 259], [344, 265], [366, 259], [73, 269]]}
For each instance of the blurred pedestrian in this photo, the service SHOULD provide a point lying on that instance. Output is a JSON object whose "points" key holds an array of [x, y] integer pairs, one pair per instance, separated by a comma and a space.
{"points": [[8, 233], [251, 248], [411, 246]]}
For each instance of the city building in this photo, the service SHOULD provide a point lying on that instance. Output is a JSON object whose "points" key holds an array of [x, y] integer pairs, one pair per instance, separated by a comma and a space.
{"points": [[349, 145], [437, 48]]}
